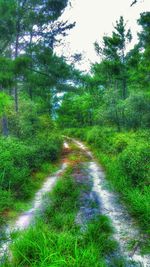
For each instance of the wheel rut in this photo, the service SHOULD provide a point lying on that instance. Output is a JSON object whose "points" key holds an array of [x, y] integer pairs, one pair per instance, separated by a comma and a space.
{"points": [[126, 231]]}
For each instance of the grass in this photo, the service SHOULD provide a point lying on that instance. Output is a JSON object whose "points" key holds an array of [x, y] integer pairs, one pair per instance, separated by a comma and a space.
{"points": [[56, 241], [20, 206], [136, 199], [76, 154]]}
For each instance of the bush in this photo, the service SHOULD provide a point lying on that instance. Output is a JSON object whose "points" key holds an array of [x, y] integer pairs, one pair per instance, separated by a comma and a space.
{"points": [[76, 132], [18, 160], [43, 148], [121, 141], [101, 137], [13, 165], [137, 111], [135, 162], [5, 200]]}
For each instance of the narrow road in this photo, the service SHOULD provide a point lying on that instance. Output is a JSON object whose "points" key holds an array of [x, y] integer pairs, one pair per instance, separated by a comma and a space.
{"points": [[126, 229]]}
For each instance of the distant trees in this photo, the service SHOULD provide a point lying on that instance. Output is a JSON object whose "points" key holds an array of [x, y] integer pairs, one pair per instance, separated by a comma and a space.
{"points": [[118, 89], [113, 69], [127, 73], [113, 56], [76, 111]]}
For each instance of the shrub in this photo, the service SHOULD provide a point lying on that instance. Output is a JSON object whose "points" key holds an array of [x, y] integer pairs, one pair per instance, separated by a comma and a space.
{"points": [[101, 137], [46, 147], [76, 132], [19, 159], [13, 165], [137, 111], [135, 162], [121, 141], [5, 200]]}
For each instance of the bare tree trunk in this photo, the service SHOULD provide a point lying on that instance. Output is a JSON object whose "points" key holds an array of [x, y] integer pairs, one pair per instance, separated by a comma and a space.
{"points": [[31, 65], [18, 31], [16, 87], [4, 121]]}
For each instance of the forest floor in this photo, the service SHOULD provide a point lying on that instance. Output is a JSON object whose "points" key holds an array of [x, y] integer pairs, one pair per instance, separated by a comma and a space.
{"points": [[118, 237]]}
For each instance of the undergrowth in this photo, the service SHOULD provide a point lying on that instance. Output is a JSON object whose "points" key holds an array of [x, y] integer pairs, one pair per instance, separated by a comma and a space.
{"points": [[23, 167]]}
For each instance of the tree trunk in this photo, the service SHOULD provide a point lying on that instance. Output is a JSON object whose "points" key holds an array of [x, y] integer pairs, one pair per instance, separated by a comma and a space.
{"points": [[16, 55], [124, 89], [16, 98], [5, 125], [4, 121], [31, 65]]}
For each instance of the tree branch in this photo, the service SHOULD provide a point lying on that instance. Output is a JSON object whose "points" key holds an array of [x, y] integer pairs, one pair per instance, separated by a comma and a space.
{"points": [[134, 2]]}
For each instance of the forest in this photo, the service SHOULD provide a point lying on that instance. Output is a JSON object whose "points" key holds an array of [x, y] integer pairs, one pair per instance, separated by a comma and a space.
{"points": [[48, 106]]}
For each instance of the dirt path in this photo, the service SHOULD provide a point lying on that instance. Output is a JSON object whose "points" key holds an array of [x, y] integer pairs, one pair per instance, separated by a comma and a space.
{"points": [[126, 230]]}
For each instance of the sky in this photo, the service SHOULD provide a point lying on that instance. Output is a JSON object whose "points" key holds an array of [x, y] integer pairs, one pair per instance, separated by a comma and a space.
{"points": [[94, 19]]}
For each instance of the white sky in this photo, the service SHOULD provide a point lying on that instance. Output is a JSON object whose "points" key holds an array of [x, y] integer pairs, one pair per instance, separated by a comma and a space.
{"points": [[94, 18]]}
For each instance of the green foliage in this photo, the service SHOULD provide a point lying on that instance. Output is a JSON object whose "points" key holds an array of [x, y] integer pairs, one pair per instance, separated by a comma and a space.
{"points": [[7, 25], [6, 201], [48, 147], [76, 110], [5, 103], [135, 162], [121, 141], [13, 164], [100, 137], [117, 92], [28, 65], [137, 111], [21, 64], [18, 160]]}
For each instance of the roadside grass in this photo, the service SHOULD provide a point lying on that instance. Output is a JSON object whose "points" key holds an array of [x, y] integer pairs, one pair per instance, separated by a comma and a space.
{"points": [[137, 200], [57, 241], [38, 177], [19, 206]]}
